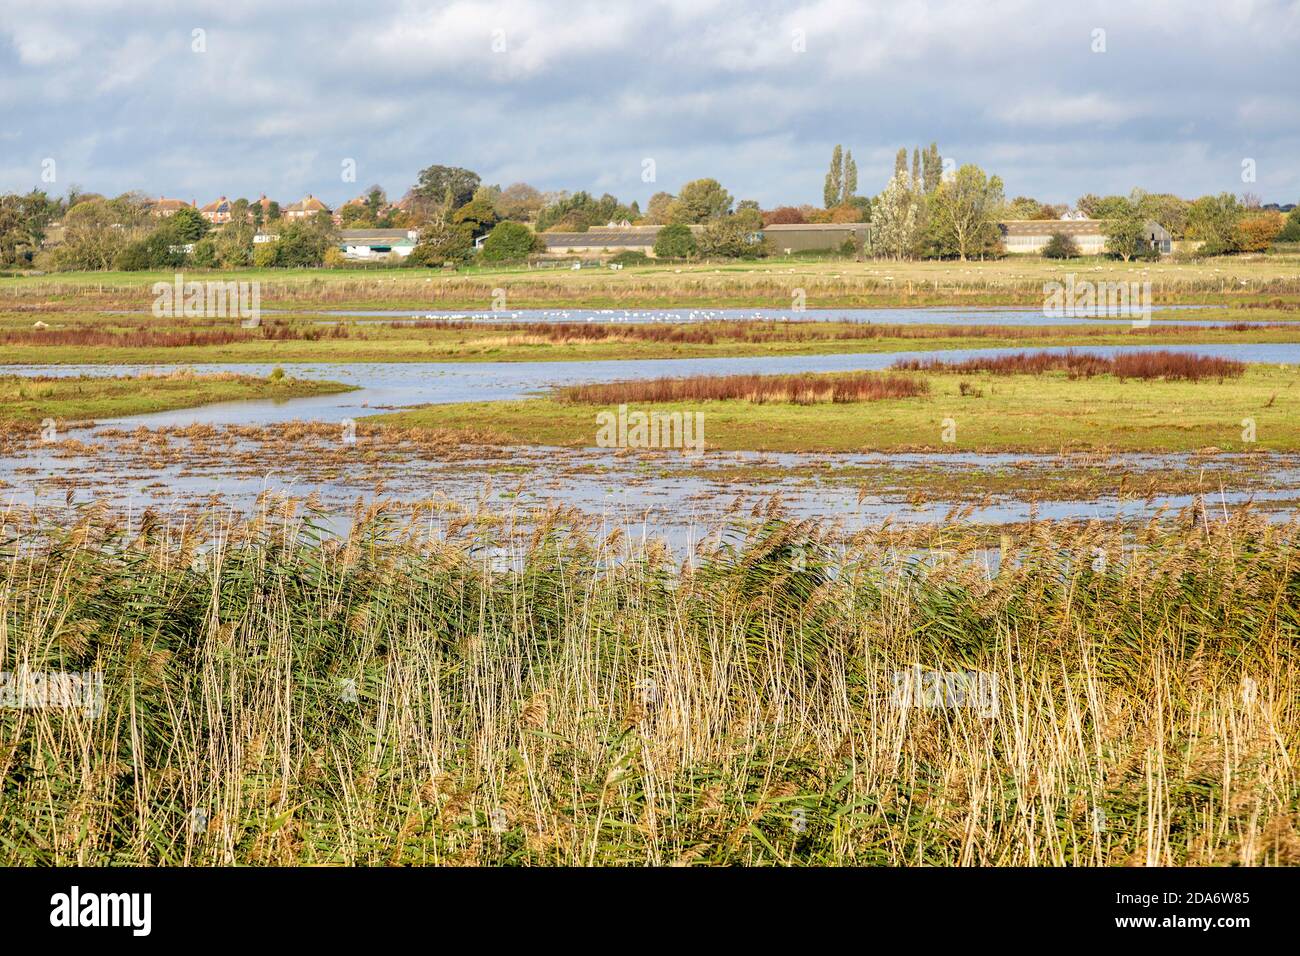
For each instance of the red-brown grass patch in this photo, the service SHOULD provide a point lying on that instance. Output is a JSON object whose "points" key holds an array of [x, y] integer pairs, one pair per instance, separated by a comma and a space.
{"points": [[801, 389], [1173, 366]]}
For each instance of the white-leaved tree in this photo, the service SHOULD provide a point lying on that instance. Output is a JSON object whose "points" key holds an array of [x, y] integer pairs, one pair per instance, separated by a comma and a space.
{"points": [[895, 222]]}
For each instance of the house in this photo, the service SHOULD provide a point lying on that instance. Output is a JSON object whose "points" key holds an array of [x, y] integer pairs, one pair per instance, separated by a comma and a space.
{"points": [[265, 205], [363, 244], [163, 207], [788, 238], [306, 207], [1030, 236], [357, 202], [217, 211]]}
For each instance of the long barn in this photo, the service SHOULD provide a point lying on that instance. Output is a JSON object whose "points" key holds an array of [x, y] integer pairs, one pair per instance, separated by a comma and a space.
{"points": [[1030, 236]]}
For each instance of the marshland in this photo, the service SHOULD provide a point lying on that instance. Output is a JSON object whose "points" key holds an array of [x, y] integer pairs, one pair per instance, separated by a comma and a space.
{"points": [[362, 590]]}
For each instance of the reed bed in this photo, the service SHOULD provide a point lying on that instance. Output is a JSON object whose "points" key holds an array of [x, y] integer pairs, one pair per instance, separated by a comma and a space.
{"points": [[1011, 281], [759, 331], [274, 695], [731, 331], [1161, 363], [144, 337], [800, 389]]}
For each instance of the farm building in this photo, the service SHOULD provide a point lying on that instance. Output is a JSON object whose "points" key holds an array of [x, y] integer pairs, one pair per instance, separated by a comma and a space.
{"points": [[606, 240], [1029, 236], [816, 236], [603, 240], [373, 243]]}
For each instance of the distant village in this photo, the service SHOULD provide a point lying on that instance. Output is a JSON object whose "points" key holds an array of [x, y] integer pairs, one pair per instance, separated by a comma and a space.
{"points": [[450, 217]]}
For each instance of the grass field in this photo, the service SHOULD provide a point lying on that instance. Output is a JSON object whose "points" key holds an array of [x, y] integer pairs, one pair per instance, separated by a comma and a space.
{"points": [[28, 400], [1104, 699], [771, 283], [989, 412], [91, 338]]}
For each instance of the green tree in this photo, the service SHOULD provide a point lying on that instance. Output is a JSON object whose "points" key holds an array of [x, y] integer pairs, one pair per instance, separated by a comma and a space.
{"points": [[1060, 246], [1023, 207], [931, 168], [1213, 220], [11, 229], [239, 212], [204, 255], [520, 202], [1167, 209], [963, 212], [23, 220], [355, 216], [187, 225], [733, 237], [511, 241], [1102, 207], [675, 241], [438, 184], [699, 201], [441, 242], [1291, 229], [841, 185], [301, 245], [234, 246], [833, 189], [265, 255], [158, 250], [659, 208], [900, 162], [95, 232], [580, 211], [1125, 230], [479, 215]]}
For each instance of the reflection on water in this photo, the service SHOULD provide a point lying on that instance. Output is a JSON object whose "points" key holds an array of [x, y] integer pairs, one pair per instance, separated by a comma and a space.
{"points": [[621, 488], [384, 386]]}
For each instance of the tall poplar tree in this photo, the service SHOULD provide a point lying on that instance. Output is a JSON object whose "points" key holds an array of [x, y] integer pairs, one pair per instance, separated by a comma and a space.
{"points": [[834, 179]]}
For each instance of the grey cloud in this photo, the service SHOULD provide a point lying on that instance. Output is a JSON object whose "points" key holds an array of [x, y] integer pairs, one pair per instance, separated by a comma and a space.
{"points": [[584, 91]]}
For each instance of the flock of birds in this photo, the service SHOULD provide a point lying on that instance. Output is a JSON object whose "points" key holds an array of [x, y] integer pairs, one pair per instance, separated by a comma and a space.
{"points": [[616, 316]]}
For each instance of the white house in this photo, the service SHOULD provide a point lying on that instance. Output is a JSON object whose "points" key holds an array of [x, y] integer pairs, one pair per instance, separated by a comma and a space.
{"points": [[362, 244]]}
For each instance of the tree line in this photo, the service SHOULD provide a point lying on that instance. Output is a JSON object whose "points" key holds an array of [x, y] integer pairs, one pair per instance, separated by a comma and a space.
{"points": [[924, 211]]}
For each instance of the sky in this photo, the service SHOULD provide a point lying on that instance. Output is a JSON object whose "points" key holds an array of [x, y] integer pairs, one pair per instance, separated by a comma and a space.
{"points": [[244, 97]]}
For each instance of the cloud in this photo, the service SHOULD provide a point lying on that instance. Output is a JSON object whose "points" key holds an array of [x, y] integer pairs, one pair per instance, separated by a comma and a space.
{"points": [[574, 94], [1054, 109]]}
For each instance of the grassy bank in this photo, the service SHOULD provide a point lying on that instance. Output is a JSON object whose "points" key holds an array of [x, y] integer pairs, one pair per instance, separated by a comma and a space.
{"points": [[28, 400], [1048, 412], [87, 338], [381, 702], [771, 283]]}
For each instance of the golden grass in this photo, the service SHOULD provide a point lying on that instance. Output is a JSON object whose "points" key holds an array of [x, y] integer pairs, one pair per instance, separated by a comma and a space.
{"points": [[389, 699]]}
